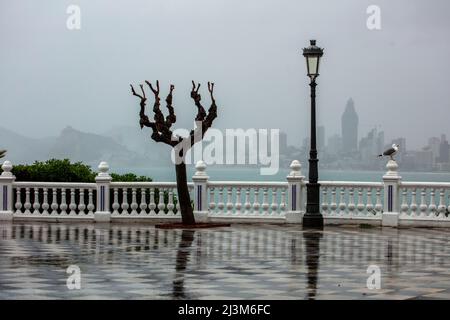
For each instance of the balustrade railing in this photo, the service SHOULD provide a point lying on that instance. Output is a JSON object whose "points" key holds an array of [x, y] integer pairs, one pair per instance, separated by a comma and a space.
{"points": [[351, 199], [424, 200], [227, 198], [390, 202], [47, 199], [145, 199]]}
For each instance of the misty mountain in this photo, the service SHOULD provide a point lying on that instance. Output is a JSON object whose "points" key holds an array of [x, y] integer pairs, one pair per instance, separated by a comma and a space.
{"points": [[81, 146], [140, 141], [23, 149]]}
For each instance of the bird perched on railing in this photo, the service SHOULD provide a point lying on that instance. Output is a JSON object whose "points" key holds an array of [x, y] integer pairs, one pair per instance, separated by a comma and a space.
{"points": [[2, 153], [390, 152]]}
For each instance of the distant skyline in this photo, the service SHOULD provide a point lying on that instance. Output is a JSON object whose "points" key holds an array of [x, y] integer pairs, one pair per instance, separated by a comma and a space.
{"points": [[398, 76]]}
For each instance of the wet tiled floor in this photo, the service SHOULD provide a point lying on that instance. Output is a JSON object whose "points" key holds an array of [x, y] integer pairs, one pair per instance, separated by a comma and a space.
{"points": [[240, 262]]}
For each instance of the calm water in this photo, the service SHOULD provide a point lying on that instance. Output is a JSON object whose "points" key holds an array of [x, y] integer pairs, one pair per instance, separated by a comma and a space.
{"points": [[253, 174]]}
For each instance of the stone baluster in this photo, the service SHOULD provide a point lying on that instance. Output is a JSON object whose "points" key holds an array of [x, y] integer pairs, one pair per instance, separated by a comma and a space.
{"points": [[63, 205], [265, 204], [161, 205], [324, 200], [351, 200], [360, 205], [432, 208], [152, 204], [72, 204], [18, 204], [441, 207], [220, 204], [238, 204], [36, 204], [247, 204], [423, 203], [143, 204], [369, 203], [404, 206], [170, 205], [27, 204], [256, 204], [229, 200], [116, 205], [283, 200], [54, 204], [45, 205], [134, 204], [274, 205], [212, 200], [413, 205], [378, 205], [81, 204], [124, 206], [90, 206], [342, 204]]}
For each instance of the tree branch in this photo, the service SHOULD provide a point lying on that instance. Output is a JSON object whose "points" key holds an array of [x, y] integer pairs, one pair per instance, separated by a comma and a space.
{"points": [[201, 114]]}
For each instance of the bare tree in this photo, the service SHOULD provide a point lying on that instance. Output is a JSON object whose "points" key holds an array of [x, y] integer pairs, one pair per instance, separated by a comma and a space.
{"points": [[161, 132]]}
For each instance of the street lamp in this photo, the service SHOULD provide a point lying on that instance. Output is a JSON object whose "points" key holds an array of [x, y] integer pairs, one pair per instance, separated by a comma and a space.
{"points": [[313, 218]]}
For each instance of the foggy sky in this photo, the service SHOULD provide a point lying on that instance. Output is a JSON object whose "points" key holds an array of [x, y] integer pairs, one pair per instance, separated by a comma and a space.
{"points": [[399, 76]]}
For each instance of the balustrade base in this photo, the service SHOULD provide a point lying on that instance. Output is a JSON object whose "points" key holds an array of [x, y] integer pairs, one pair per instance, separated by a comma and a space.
{"points": [[389, 219], [6, 215], [102, 216], [294, 217]]}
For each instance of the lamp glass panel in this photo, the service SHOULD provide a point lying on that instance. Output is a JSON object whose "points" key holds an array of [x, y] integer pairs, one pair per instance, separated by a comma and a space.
{"points": [[313, 65]]}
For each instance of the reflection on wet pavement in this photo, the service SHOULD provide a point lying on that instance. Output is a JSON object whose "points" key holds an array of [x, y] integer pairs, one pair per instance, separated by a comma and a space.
{"points": [[130, 261]]}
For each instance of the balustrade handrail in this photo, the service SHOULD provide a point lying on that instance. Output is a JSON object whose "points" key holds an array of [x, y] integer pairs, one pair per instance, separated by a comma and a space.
{"points": [[151, 184], [66, 185], [349, 184], [419, 184], [261, 184]]}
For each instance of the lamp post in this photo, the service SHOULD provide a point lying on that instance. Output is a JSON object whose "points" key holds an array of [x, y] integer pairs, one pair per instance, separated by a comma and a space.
{"points": [[313, 218]]}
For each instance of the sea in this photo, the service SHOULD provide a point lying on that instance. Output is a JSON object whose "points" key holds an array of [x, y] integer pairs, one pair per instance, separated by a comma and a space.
{"points": [[234, 173]]}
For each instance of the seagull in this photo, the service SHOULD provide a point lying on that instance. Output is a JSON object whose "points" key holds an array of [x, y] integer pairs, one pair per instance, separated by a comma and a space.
{"points": [[391, 151]]}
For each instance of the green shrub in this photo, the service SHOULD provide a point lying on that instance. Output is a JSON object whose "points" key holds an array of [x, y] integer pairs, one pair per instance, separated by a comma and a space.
{"points": [[56, 170]]}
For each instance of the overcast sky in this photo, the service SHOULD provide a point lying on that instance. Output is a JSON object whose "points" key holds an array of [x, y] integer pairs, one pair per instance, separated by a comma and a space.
{"points": [[399, 76]]}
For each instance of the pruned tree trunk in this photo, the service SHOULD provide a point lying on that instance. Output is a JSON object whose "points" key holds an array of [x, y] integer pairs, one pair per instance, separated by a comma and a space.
{"points": [[184, 199], [161, 132]]}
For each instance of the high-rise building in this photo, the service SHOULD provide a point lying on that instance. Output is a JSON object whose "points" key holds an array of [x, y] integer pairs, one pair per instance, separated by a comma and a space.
{"points": [[444, 148], [334, 145], [349, 127], [434, 145]]}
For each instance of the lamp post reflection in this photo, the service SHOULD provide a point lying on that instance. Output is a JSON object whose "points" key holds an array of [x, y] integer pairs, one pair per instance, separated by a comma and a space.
{"points": [[312, 246]]}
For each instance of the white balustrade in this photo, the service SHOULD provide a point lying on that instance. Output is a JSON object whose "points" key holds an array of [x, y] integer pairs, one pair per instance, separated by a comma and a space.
{"points": [[247, 198], [345, 200], [433, 202], [338, 199], [49, 199], [145, 199]]}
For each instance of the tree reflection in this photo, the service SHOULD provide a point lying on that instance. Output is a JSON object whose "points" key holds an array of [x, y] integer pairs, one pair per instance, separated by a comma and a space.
{"points": [[187, 237]]}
